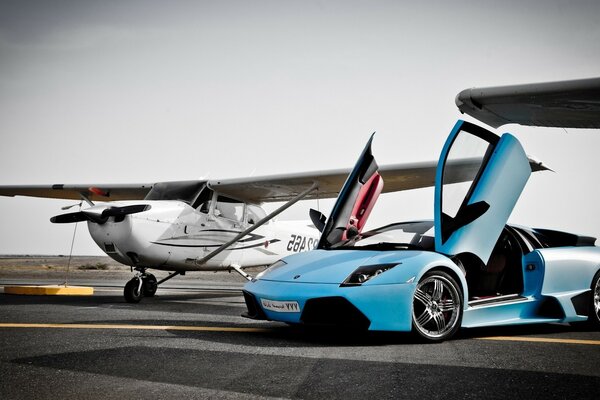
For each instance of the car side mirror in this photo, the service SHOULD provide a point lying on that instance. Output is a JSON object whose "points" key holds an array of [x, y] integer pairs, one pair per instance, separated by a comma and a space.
{"points": [[318, 219], [351, 232]]}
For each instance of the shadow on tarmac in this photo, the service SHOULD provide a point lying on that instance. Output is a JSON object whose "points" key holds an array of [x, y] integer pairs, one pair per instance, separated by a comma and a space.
{"points": [[306, 377]]}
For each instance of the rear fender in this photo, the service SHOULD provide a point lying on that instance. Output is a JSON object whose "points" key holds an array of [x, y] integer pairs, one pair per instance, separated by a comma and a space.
{"points": [[562, 273], [568, 269]]}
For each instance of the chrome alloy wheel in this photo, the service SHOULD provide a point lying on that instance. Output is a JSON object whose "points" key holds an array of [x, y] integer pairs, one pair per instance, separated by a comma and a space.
{"points": [[437, 307], [597, 299]]}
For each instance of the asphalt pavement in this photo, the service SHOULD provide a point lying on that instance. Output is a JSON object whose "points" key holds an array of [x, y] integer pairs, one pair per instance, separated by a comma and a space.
{"points": [[189, 341]]}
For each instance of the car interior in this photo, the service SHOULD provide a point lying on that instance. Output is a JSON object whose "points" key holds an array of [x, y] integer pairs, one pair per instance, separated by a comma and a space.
{"points": [[502, 275]]}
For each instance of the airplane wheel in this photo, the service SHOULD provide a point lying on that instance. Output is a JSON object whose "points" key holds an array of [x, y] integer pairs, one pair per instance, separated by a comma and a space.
{"points": [[131, 292], [437, 307], [150, 286], [594, 317]]}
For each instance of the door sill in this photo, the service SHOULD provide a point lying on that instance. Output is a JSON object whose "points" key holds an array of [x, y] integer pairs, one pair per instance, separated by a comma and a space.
{"points": [[507, 298]]}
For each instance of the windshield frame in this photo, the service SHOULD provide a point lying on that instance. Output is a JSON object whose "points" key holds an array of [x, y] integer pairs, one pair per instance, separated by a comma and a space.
{"points": [[419, 231]]}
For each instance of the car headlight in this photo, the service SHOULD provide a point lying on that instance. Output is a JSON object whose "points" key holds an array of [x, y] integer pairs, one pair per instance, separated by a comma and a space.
{"points": [[276, 265], [366, 272]]}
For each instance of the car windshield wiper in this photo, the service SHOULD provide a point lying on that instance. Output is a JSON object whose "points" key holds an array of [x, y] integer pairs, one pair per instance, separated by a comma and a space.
{"points": [[389, 246]]}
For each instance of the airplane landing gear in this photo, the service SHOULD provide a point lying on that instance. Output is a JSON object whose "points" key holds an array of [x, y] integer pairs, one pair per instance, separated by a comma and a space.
{"points": [[142, 284], [133, 291], [150, 285]]}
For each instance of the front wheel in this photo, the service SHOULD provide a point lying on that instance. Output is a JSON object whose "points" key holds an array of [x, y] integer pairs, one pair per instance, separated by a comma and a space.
{"points": [[437, 307], [150, 285], [132, 292], [594, 317]]}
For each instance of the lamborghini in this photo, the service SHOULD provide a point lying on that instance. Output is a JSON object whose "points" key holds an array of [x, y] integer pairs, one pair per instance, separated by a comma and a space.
{"points": [[466, 268]]}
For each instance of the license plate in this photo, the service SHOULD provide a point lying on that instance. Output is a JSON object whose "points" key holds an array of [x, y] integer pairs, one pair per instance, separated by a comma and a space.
{"points": [[280, 306]]}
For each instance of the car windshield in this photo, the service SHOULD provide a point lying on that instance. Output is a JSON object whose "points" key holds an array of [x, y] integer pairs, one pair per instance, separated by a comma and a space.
{"points": [[404, 235]]}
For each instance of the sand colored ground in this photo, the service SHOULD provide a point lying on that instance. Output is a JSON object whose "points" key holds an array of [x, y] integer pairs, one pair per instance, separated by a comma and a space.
{"points": [[96, 267]]}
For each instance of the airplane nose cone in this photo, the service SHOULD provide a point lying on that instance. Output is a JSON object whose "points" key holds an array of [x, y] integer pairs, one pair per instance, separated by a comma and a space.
{"points": [[130, 232], [113, 238]]}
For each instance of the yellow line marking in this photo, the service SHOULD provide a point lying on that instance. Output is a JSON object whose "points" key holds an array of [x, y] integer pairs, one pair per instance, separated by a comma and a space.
{"points": [[50, 290], [141, 327], [261, 330], [542, 340]]}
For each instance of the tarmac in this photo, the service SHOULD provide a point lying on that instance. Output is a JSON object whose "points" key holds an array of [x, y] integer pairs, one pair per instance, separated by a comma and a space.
{"points": [[190, 342]]}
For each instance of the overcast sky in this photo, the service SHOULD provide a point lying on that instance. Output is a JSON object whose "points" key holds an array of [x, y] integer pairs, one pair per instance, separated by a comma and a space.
{"points": [[146, 91]]}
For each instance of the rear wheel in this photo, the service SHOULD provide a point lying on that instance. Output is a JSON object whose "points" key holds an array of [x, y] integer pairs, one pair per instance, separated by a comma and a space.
{"points": [[437, 307], [594, 317]]}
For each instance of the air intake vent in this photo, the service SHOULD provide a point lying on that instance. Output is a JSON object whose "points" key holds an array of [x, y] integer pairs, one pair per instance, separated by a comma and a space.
{"points": [[335, 311], [254, 310], [109, 248]]}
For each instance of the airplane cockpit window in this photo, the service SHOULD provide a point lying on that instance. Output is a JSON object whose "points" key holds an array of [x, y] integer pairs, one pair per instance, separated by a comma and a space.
{"points": [[229, 208], [255, 214], [202, 202]]}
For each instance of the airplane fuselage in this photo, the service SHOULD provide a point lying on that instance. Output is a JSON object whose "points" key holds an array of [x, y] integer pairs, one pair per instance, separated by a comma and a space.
{"points": [[171, 235]]}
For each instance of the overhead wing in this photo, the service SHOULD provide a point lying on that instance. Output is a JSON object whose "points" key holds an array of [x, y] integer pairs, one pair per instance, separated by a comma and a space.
{"points": [[272, 188], [95, 192], [397, 177], [284, 187], [566, 104], [269, 188]]}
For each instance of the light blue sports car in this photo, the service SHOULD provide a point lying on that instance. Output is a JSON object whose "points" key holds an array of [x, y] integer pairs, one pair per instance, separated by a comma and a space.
{"points": [[467, 268]]}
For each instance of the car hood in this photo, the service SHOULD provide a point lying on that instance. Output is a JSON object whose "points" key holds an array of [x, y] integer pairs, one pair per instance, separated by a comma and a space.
{"points": [[331, 266]]}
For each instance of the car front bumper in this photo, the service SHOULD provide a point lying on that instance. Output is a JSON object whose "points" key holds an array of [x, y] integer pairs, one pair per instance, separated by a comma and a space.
{"points": [[373, 307]]}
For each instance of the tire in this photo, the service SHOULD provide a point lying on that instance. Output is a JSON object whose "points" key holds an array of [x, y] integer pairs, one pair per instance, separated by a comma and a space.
{"points": [[437, 307], [594, 316], [150, 286], [131, 292]]}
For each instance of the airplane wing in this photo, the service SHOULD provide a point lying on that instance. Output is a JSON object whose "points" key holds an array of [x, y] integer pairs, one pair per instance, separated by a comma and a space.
{"points": [[284, 187], [272, 188], [565, 104], [396, 178], [95, 192], [252, 189]]}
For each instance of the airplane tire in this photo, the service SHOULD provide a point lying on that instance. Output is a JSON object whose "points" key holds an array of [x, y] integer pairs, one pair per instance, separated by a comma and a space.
{"points": [[131, 292], [594, 317], [150, 286]]}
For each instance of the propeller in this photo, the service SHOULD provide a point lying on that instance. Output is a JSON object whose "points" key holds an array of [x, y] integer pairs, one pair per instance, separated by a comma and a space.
{"points": [[126, 210], [100, 214], [70, 217]]}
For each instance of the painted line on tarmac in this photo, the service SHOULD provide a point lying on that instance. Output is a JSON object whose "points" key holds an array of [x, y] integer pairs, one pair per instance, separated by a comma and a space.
{"points": [[542, 340], [140, 327], [259, 330]]}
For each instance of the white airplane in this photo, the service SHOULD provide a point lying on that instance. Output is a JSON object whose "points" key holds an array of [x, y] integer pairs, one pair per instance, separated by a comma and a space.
{"points": [[208, 225]]}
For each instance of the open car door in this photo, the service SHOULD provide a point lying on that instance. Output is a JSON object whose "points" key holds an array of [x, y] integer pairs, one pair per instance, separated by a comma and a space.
{"points": [[470, 216], [355, 201]]}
